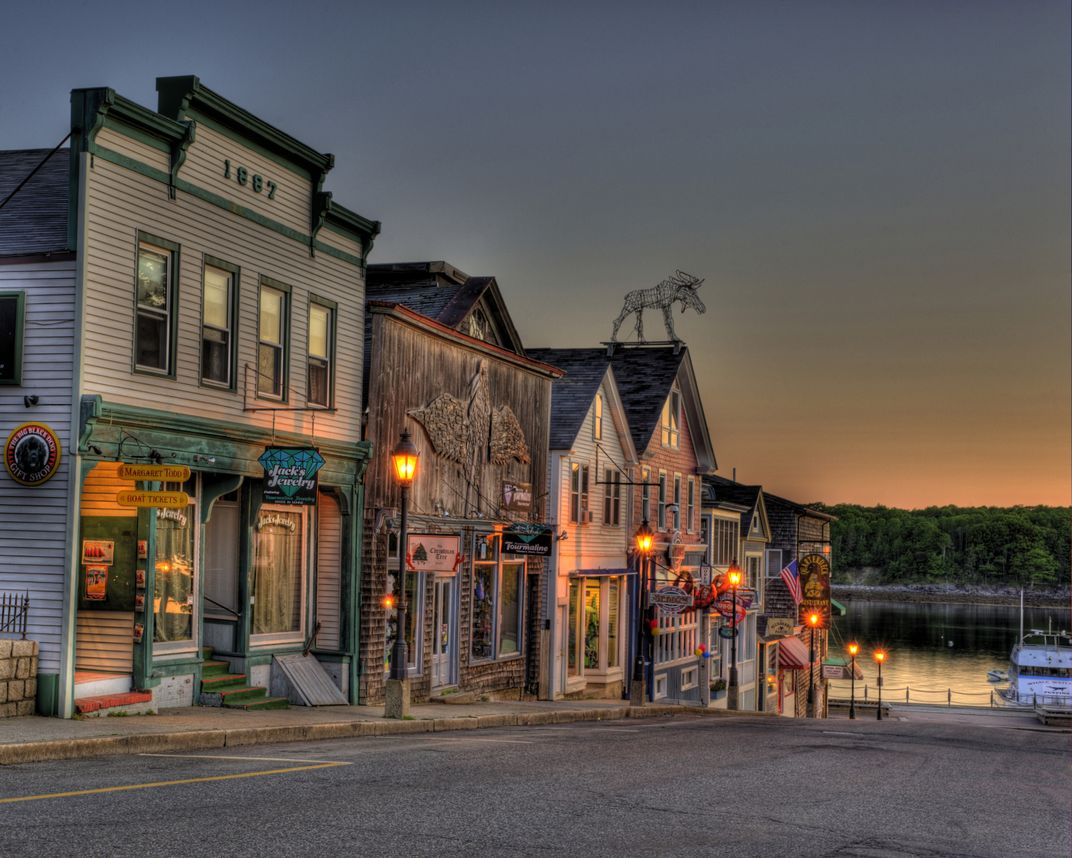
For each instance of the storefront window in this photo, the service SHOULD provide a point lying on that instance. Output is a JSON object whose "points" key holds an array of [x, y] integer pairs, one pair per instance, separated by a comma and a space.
{"points": [[414, 610], [510, 604], [591, 624], [613, 601], [497, 601], [277, 573], [173, 594], [483, 610], [574, 622]]}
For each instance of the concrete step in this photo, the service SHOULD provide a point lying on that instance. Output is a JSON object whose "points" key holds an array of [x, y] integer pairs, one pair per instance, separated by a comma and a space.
{"points": [[245, 694], [130, 703], [94, 684], [265, 703], [221, 681], [214, 668]]}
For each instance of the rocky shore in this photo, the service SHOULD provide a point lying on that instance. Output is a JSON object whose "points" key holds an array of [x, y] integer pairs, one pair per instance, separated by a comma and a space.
{"points": [[950, 593]]}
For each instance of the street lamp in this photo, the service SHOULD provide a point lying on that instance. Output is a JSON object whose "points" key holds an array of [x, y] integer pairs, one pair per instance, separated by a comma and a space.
{"points": [[853, 649], [880, 656], [644, 540], [733, 576], [404, 461], [814, 619]]}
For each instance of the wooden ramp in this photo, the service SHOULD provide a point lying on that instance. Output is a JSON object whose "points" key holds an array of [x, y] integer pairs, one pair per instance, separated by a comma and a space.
{"points": [[308, 684]]}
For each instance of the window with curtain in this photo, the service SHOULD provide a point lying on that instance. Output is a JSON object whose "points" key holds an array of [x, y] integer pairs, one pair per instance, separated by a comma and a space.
{"points": [[174, 579], [277, 573]]}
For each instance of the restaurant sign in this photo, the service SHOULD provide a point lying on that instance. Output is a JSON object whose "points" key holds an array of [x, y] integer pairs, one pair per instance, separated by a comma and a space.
{"points": [[779, 626], [432, 552], [671, 600], [290, 475], [815, 587], [533, 540]]}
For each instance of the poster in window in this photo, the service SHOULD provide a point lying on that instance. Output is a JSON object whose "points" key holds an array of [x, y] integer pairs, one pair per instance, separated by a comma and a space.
{"points": [[96, 583], [291, 475]]}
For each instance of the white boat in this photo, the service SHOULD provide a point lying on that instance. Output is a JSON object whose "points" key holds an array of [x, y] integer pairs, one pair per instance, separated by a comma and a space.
{"points": [[997, 675], [1040, 670]]}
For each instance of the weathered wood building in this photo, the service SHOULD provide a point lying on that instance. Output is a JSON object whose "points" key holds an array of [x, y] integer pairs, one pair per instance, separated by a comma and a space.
{"points": [[444, 362]]}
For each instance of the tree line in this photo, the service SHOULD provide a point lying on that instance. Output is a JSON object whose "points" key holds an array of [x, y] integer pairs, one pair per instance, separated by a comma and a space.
{"points": [[986, 546]]}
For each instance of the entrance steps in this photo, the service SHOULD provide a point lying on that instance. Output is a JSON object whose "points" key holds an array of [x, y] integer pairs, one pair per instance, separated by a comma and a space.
{"points": [[108, 705], [220, 687]]}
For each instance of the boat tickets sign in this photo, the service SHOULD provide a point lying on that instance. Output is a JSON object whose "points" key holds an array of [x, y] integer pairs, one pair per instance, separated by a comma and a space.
{"points": [[290, 475]]}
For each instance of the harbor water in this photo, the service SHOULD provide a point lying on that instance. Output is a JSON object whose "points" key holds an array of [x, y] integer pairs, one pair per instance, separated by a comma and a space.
{"points": [[933, 648]]}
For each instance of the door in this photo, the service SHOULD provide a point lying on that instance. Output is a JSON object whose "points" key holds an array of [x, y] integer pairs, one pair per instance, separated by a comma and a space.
{"points": [[443, 637]]}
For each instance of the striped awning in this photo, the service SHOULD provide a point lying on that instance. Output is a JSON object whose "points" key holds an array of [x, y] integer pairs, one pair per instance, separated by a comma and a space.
{"points": [[792, 654]]}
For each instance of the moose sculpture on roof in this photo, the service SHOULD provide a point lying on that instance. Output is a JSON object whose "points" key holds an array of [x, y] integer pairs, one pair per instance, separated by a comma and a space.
{"points": [[679, 286]]}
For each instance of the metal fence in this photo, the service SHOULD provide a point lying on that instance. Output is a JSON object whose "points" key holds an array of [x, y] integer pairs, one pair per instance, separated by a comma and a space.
{"points": [[909, 694], [14, 610]]}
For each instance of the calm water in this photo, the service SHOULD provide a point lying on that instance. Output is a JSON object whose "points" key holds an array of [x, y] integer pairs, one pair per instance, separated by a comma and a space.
{"points": [[932, 647]]}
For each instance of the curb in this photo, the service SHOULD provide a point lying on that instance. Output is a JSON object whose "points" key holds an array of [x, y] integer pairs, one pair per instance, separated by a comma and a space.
{"points": [[189, 740]]}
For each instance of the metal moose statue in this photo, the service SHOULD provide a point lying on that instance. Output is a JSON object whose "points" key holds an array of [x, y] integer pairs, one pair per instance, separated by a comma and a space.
{"points": [[679, 286]]}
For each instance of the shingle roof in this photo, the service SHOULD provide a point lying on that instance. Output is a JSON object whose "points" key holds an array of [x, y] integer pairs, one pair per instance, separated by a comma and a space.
{"points": [[721, 489], [35, 219], [644, 377], [572, 395]]}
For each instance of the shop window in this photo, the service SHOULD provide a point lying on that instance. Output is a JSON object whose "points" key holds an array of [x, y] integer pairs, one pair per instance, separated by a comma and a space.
{"points": [[12, 308], [321, 351], [677, 637], [414, 612], [594, 639], [591, 623], [498, 588], [509, 637], [662, 500], [613, 605], [578, 493], [278, 573], [597, 417], [612, 497], [671, 420], [272, 343], [219, 289], [154, 327], [175, 576], [572, 660]]}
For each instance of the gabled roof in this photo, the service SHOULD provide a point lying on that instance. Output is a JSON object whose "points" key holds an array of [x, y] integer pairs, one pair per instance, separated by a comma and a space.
{"points": [[797, 508], [34, 221], [444, 294], [718, 489], [572, 395]]}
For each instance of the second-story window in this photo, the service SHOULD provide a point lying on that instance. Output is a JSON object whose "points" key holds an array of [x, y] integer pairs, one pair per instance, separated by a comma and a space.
{"points": [[217, 325], [662, 501], [671, 420], [155, 325], [321, 348], [578, 493], [677, 501], [272, 344], [597, 417], [645, 494], [612, 497], [690, 510], [727, 536]]}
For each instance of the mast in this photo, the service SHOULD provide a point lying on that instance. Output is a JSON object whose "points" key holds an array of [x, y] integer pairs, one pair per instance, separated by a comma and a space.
{"points": [[1021, 613]]}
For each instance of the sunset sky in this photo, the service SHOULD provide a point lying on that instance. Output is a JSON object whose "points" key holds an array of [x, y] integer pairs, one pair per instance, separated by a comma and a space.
{"points": [[877, 193]]}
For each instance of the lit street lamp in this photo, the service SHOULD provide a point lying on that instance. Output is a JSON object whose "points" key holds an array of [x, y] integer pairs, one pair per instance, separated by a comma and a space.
{"points": [[814, 619], [733, 575], [404, 462], [853, 649], [880, 656], [644, 540]]}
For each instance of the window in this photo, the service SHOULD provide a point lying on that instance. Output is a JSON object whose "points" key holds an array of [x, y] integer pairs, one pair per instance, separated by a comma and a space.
{"points": [[578, 493], [612, 497], [645, 494], [705, 536], [154, 329], [752, 565], [572, 660], [690, 510], [272, 344], [321, 348], [414, 611], [477, 326], [662, 500], [593, 637], [175, 578], [677, 636], [671, 420], [11, 325], [497, 601], [677, 501], [218, 291], [726, 540], [278, 578], [774, 562], [597, 417]]}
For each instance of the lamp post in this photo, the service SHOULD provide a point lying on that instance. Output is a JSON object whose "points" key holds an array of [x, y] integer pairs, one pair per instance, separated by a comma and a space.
{"points": [[880, 656], [853, 649], [404, 462], [733, 575], [813, 623], [644, 539]]}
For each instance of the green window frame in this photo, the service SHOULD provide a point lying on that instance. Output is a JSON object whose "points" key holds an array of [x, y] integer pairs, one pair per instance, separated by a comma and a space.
{"points": [[12, 327], [219, 339], [273, 345], [156, 305], [320, 353]]}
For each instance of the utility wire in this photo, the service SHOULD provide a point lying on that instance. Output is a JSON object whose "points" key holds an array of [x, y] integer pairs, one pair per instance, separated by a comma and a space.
{"points": [[19, 186]]}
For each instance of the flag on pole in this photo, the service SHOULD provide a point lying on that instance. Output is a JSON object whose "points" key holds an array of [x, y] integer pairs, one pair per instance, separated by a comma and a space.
{"points": [[791, 576]]}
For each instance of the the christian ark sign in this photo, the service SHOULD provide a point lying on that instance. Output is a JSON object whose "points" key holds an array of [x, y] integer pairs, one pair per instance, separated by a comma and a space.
{"points": [[290, 475]]}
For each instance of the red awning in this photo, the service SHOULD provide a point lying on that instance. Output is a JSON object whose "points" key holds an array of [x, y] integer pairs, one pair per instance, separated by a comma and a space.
{"points": [[792, 654]]}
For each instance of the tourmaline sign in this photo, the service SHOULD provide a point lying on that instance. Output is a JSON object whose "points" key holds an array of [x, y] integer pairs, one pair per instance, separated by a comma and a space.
{"points": [[290, 475]]}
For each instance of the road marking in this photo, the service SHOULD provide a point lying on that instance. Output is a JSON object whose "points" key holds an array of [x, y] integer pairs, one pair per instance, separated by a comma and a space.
{"points": [[156, 784], [456, 739], [841, 733], [258, 759]]}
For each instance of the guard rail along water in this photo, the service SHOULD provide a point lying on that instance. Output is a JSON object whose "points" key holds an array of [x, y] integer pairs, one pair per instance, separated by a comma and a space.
{"points": [[839, 695]]}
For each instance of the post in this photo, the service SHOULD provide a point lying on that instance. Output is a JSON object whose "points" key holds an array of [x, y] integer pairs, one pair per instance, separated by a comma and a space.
{"points": [[878, 711], [732, 692], [852, 688], [811, 674], [636, 688], [397, 703]]}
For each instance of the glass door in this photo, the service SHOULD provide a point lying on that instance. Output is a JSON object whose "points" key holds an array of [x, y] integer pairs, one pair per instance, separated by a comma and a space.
{"points": [[443, 633], [278, 585]]}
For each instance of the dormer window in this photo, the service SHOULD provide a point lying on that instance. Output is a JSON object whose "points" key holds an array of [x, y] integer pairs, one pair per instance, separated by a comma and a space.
{"points": [[671, 420], [478, 325]]}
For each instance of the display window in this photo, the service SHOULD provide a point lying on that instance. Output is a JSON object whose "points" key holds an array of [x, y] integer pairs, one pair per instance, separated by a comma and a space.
{"points": [[594, 636], [175, 578], [278, 575], [414, 611], [497, 601]]}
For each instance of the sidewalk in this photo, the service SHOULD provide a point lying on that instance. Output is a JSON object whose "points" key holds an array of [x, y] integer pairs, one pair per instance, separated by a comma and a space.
{"points": [[34, 739]]}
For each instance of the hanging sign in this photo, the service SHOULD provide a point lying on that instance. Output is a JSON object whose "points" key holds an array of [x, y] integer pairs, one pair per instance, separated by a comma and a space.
{"points": [[727, 632], [779, 626], [815, 587], [155, 473], [725, 608], [522, 537], [167, 500], [32, 454], [671, 600], [290, 475], [516, 497], [432, 552]]}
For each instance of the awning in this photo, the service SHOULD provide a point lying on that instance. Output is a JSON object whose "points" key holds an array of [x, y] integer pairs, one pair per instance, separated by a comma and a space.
{"points": [[596, 573], [838, 608], [792, 654]]}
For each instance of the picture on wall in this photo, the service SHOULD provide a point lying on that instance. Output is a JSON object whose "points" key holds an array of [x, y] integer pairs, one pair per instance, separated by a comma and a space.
{"points": [[139, 578], [143, 549], [100, 552], [139, 601], [96, 583]]}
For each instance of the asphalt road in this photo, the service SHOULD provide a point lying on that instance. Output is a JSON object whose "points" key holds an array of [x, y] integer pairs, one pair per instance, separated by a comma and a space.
{"points": [[681, 786]]}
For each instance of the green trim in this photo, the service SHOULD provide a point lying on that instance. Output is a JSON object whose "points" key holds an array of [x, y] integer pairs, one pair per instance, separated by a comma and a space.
{"points": [[121, 126], [48, 694], [175, 251], [177, 668], [121, 160], [839, 609], [20, 325], [178, 152], [235, 271], [351, 222], [286, 344]]}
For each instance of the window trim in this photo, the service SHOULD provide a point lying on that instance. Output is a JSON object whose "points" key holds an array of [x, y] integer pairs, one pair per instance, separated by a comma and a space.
{"points": [[690, 509], [173, 250], [271, 283], [670, 429], [20, 329], [333, 325], [597, 417], [210, 261], [612, 497], [582, 492]]}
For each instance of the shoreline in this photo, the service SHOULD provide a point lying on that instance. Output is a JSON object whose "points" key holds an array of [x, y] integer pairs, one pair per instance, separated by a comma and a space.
{"points": [[949, 594]]}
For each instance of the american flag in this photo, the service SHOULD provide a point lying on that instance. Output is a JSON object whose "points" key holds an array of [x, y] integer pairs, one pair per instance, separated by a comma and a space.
{"points": [[791, 576]]}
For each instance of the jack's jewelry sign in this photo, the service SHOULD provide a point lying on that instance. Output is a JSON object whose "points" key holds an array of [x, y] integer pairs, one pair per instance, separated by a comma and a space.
{"points": [[290, 475]]}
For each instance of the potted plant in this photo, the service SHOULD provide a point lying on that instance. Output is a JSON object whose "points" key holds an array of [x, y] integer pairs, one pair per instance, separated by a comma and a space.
{"points": [[718, 688]]}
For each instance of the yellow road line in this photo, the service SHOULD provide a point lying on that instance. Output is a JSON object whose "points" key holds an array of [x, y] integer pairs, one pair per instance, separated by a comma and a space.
{"points": [[169, 783]]}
